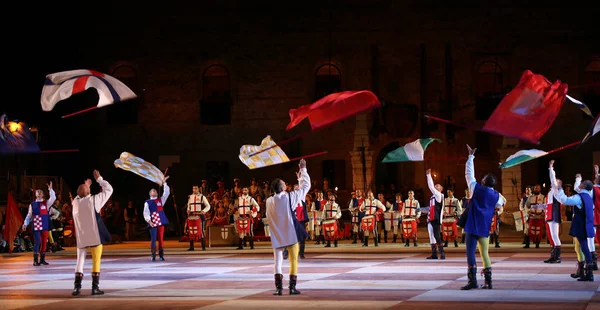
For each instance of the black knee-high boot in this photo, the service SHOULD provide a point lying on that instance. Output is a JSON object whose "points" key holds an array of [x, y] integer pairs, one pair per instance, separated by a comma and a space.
{"points": [[366, 241], [161, 255], [595, 260], [442, 253], [191, 245], [241, 244], [433, 252], [302, 248], [96, 284], [293, 280], [551, 256], [278, 284], [153, 255], [251, 242], [472, 276], [579, 272], [487, 274], [78, 279], [385, 233], [203, 241], [527, 241]]}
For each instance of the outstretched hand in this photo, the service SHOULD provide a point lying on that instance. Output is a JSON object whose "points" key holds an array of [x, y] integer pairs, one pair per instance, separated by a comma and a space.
{"points": [[88, 182], [96, 174], [50, 185], [552, 163], [165, 179], [471, 151], [578, 176], [302, 163], [428, 172]]}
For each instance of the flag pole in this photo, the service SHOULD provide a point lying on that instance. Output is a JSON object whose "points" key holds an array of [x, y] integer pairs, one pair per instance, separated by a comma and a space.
{"points": [[60, 151], [563, 147], [282, 143], [433, 118], [308, 156], [79, 112]]}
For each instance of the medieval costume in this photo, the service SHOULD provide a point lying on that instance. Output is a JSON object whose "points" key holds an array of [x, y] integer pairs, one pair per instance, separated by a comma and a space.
{"points": [[196, 221], [317, 211], [357, 215], [591, 243], [247, 210], [410, 217], [381, 218], [553, 220], [485, 200], [524, 213], [393, 217], [369, 223], [536, 204], [280, 211], [156, 218], [302, 216], [452, 210], [40, 211], [331, 215], [90, 232], [436, 213], [582, 226], [495, 227]]}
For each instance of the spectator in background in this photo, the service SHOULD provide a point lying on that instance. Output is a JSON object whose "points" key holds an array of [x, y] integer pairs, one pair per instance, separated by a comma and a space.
{"points": [[130, 215]]}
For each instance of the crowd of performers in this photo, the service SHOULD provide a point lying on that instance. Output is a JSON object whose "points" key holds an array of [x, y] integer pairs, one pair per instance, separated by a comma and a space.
{"points": [[477, 214]]}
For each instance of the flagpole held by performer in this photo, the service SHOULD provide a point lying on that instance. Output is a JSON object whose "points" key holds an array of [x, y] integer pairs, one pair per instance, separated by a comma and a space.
{"points": [[285, 232], [90, 229], [156, 218]]}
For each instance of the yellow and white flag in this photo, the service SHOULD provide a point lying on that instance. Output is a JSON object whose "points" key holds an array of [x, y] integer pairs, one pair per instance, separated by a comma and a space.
{"points": [[273, 156], [140, 167]]}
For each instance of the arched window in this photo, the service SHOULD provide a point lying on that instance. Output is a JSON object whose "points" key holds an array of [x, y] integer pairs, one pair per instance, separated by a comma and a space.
{"points": [[215, 105], [125, 112], [328, 80]]}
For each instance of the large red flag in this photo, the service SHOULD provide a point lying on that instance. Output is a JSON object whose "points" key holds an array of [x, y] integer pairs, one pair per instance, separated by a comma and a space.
{"points": [[13, 222], [528, 111], [334, 107]]}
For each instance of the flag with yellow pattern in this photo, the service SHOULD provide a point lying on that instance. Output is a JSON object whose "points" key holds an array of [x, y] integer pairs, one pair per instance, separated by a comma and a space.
{"points": [[140, 167], [273, 156]]}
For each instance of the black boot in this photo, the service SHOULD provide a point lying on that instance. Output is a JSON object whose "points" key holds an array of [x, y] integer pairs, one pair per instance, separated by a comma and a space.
{"points": [[161, 255], [43, 259], [366, 241], [433, 252], [537, 245], [385, 236], [456, 243], [335, 243], [551, 256], [472, 276], [318, 240], [241, 244], [524, 239], [302, 248], [251, 242], [191, 245], [278, 284], [285, 253], [153, 255], [595, 260], [355, 240], [395, 238], [293, 290], [402, 236], [442, 253], [588, 273], [579, 272], [376, 239], [487, 275], [78, 278], [328, 245], [462, 239], [95, 284], [526, 242], [415, 242], [557, 253], [497, 239], [446, 243], [35, 260], [407, 243], [203, 241], [245, 241]]}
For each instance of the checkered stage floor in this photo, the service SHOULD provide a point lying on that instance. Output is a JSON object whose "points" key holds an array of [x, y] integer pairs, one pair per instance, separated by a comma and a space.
{"points": [[327, 281]]}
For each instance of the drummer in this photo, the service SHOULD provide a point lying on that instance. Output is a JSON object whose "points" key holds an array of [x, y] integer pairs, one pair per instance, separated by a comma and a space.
{"points": [[331, 214], [368, 222], [196, 221], [410, 215]]}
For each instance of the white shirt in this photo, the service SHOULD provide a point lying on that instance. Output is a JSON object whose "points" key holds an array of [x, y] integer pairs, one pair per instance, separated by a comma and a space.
{"points": [[198, 199], [51, 211], [470, 177], [84, 215], [280, 215]]}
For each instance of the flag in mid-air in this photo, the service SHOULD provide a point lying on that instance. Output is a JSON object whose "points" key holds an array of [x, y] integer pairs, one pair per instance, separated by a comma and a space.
{"points": [[60, 86], [414, 151], [273, 156], [140, 167], [521, 157]]}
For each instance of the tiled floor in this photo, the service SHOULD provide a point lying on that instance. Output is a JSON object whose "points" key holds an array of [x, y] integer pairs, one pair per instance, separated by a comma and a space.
{"points": [[327, 281]]}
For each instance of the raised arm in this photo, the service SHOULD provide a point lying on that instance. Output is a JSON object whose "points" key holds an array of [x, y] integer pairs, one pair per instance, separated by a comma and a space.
{"points": [[166, 193], [206, 204], [435, 192], [552, 173], [577, 183], [303, 184], [101, 198], [52, 198], [574, 200]]}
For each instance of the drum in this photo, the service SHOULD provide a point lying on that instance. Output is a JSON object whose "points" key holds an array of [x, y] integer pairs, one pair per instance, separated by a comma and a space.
{"points": [[368, 223], [409, 228], [330, 229], [195, 231], [389, 217], [449, 230], [380, 216], [243, 226]]}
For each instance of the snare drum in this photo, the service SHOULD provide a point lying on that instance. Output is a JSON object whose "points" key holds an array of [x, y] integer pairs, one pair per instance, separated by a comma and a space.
{"points": [[195, 228], [243, 226], [330, 228], [368, 223]]}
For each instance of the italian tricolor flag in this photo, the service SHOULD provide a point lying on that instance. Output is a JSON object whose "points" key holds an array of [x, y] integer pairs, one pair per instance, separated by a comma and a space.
{"points": [[521, 157], [413, 151]]}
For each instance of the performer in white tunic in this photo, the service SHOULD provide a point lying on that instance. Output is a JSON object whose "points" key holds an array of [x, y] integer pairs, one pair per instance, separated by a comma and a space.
{"points": [[353, 207], [90, 229], [247, 210], [369, 221], [410, 217], [393, 217], [196, 221], [436, 213], [331, 214], [452, 211], [280, 208], [524, 210], [316, 210], [536, 204]]}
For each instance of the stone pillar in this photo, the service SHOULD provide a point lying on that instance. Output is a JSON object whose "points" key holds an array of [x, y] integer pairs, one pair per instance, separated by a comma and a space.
{"points": [[361, 139], [511, 181]]}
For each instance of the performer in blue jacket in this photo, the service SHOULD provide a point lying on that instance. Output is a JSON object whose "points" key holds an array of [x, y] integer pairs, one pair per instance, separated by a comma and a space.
{"points": [[479, 218]]}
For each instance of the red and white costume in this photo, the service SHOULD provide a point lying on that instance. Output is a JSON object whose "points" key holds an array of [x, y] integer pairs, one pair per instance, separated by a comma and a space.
{"points": [[452, 210], [410, 215]]}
